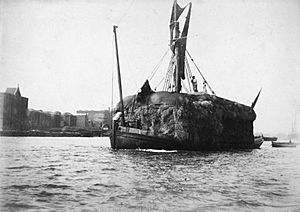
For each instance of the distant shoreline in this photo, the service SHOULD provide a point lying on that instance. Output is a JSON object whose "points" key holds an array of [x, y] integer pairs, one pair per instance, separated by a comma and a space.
{"points": [[40, 133]]}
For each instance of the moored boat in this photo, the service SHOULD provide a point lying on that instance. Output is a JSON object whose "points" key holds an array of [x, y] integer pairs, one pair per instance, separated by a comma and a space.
{"points": [[270, 138], [283, 144]]}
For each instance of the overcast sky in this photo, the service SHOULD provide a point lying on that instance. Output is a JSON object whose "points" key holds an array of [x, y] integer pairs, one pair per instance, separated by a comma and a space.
{"points": [[61, 52]]}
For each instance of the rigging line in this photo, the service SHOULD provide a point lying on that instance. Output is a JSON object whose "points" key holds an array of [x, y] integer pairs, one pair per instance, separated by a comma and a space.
{"points": [[188, 67], [155, 69], [157, 66], [188, 75], [159, 83], [125, 12], [168, 74], [171, 78], [127, 63], [200, 73], [188, 70]]}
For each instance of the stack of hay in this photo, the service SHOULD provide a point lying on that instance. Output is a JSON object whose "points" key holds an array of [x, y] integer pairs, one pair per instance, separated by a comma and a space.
{"points": [[198, 120]]}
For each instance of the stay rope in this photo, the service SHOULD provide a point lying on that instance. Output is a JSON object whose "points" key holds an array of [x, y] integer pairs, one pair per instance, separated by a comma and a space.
{"points": [[205, 81], [157, 66]]}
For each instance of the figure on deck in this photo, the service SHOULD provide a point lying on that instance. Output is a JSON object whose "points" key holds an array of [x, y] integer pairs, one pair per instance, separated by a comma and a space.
{"points": [[194, 83], [204, 87]]}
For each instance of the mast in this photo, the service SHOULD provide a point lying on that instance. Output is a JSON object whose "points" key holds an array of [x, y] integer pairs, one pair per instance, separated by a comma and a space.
{"points": [[119, 77], [176, 36], [178, 42]]}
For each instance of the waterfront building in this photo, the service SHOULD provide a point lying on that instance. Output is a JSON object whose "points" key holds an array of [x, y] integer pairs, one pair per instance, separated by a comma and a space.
{"points": [[82, 121], [39, 120], [97, 118], [56, 119], [45, 120], [69, 120], [13, 110]]}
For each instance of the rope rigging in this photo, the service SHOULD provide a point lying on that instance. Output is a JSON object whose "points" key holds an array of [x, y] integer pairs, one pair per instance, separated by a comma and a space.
{"points": [[188, 74], [159, 83], [169, 78], [125, 13], [157, 66], [205, 81]]}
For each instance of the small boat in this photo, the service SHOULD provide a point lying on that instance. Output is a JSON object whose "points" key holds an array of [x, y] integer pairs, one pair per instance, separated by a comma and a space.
{"points": [[270, 138], [283, 144]]}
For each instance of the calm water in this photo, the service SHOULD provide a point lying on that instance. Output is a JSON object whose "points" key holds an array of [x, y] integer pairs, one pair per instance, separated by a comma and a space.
{"points": [[84, 174]]}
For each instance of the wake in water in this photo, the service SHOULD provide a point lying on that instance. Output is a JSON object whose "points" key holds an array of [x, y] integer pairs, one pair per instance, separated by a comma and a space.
{"points": [[157, 150]]}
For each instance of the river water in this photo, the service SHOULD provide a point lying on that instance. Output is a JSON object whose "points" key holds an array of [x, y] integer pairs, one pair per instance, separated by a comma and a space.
{"points": [[84, 174]]}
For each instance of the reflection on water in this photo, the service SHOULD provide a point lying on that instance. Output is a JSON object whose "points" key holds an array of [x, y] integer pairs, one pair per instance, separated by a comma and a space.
{"points": [[84, 173]]}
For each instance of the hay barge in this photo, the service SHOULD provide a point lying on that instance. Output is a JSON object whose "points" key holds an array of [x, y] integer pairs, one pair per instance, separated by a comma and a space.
{"points": [[173, 120]]}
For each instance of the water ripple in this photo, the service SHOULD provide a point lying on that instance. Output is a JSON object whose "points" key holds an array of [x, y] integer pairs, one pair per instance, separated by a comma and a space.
{"points": [[61, 174], [19, 167]]}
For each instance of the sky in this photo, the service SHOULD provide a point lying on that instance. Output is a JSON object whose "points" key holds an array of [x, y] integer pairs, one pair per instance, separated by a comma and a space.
{"points": [[61, 53]]}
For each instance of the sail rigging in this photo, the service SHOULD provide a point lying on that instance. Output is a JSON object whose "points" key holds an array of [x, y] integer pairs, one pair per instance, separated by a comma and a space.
{"points": [[178, 42], [172, 120]]}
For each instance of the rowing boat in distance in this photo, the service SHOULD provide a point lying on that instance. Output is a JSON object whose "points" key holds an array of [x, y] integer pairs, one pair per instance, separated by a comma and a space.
{"points": [[283, 144]]}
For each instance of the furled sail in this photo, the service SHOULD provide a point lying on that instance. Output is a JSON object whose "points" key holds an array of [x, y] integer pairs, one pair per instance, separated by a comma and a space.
{"points": [[174, 18], [178, 40]]}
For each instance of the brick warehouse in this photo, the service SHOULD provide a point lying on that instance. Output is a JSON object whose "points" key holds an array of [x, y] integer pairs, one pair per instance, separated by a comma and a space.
{"points": [[13, 110]]}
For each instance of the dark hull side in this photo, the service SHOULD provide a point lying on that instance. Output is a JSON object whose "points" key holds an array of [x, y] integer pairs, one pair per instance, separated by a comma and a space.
{"points": [[127, 140], [283, 144], [270, 138]]}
